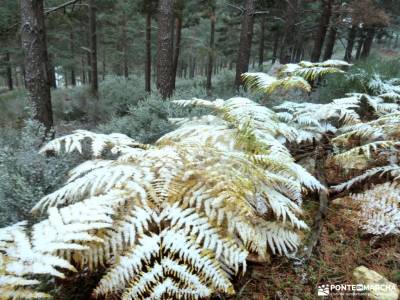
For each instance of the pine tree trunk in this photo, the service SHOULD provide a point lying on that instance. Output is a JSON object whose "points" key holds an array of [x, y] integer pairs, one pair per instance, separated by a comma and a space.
{"points": [[94, 83], [177, 46], [350, 43], [33, 36], [276, 46], [246, 36], [8, 71], [51, 73], [83, 71], [262, 42], [359, 47], [72, 48], [322, 29], [331, 38], [368, 42], [125, 45], [211, 52], [148, 53], [165, 49], [289, 32]]}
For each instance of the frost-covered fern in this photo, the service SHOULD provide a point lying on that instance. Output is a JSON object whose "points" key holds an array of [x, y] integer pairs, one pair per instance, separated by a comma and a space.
{"points": [[187, 211], [26, 252], [293, 76], [378, 210], [365, 144]]}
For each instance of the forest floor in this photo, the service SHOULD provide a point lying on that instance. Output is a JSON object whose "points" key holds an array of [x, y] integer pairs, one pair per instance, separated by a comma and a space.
{"points": [[341, 249]]}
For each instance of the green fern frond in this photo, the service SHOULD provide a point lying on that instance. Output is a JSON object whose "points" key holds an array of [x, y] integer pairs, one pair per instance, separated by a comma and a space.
{"points": [[261, 82]]}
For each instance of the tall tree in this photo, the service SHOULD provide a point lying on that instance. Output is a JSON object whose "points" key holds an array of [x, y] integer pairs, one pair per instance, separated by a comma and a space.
{"points": [[33, 37], [246, 36], [366, 49], [351, 37], [211, 50], [94, 83], [165, 48], [322, 30], [148, 52], [332, 34], [178, 34], [9, 77], [262, 42]]}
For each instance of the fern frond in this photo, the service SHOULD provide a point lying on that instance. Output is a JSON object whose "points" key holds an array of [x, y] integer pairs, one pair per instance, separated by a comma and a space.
{"points": [[99, 142], [26, 254], [393, 170], [265, 83], [379, 211]]}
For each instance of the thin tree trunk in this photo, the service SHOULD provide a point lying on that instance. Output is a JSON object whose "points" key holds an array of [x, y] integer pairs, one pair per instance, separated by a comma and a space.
{"points": [[350, 43], [125, 45], [51, 73], [276, 46], [177, 46], [83, 71], [289, 33], [72, 48], [94, 83], [331, 38], [165, 49], [322, 29], [33, 36], [9, 71], [368, 42], [262, 42], [211, 52], [359, 47], [148, 53], [246, 36], [104, 65]]}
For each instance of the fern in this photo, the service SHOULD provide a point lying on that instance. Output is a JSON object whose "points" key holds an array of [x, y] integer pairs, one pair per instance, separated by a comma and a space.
{"points": [[379, 209], [25, 254], [186, 212], [292, 76]]}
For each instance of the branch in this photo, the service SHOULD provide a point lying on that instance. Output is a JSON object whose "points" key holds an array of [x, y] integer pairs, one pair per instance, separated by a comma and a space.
{"points": [[46, 13]]}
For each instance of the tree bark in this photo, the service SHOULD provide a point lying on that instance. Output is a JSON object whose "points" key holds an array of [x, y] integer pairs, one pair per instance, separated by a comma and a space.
{"points": [[165, 50], [177, 46], [359, 47], [246, 36], [368, 42], [125, 45], [211, 52], [276, 46], [8, 71], [51, 73], [331, 38], [262, 42], [72, 68], [33, 37], [289, 32], [322, 29], [148, 53], [94, 83], [350, 43]]}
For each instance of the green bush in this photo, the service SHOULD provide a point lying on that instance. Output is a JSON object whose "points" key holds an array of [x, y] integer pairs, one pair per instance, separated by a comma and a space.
{"points": [[25, 175], [355, 81]]}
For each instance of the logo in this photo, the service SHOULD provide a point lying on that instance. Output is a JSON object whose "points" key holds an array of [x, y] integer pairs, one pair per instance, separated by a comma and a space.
{"points": [[323, 290]]}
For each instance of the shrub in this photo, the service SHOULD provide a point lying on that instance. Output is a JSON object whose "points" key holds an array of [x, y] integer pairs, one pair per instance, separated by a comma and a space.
{"points": [[25, 175]]}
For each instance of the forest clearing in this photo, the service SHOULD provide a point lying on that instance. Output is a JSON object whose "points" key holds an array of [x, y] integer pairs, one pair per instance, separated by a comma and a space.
{"points": [[179, 149]]}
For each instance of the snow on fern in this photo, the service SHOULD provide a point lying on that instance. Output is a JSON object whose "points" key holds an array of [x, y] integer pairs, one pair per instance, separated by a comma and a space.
{"points": [[293, 76], [379, 209], [185, 212]]}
